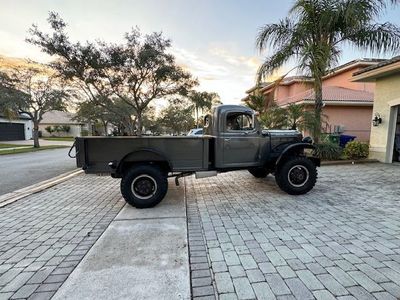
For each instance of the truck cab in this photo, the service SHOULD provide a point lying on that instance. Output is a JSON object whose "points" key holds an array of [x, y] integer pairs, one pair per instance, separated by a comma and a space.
{"points": [[239, 140]]}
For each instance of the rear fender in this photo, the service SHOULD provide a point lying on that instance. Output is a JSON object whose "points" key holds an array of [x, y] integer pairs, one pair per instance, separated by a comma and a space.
{"points": [[143, 156]]}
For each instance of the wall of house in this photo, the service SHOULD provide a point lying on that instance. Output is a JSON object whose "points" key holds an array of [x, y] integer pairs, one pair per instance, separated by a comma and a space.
{"points": [[28, 126], [355, 119], [75, 130], [387, 90], [343, 80]]}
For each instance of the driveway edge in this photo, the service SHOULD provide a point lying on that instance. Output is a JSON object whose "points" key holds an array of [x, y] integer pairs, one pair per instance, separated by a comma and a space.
{"points": [[348, 162], [11, 197]]}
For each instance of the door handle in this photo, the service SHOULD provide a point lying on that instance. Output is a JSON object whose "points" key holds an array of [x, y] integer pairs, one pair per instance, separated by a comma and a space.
{"points": [[227, 139]]}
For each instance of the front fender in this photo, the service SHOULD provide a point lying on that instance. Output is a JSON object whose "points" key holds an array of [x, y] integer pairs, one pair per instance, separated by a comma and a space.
{"points": [[294, 148]]}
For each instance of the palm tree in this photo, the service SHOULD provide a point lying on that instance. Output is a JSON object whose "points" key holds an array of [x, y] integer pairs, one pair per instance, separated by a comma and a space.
{"points": [[314, 32], [275, 117], [295, 115], [202, 100], [256, 101]]}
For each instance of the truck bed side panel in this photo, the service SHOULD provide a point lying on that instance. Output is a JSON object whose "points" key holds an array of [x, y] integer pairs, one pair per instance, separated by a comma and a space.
{"points": [[183, 153]]}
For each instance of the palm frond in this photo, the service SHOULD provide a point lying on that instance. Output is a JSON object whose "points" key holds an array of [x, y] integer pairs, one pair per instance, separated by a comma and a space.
{"points": [[274, 62], [275, 35], [377, 38]]}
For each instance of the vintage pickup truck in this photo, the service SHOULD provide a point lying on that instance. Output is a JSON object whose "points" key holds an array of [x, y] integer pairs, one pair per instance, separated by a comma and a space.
{"points": [[232, 140]]}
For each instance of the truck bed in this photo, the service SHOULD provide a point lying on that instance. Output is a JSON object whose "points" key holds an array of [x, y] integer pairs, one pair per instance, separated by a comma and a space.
{"points": [[183, 153]]}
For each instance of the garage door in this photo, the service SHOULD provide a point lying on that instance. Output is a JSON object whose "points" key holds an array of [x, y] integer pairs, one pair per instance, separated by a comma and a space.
{"points": [[12, 132]]}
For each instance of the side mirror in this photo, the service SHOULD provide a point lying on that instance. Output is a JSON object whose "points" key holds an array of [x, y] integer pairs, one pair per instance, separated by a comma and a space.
{"points": [[265, 133]]}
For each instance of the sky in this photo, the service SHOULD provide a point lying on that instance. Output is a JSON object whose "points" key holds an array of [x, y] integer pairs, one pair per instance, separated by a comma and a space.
{"points": [[213, 39]]}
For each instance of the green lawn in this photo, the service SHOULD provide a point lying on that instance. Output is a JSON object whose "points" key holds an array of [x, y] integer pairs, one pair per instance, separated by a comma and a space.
{"points": [[30, 149], [3, 145], [60, 139]]}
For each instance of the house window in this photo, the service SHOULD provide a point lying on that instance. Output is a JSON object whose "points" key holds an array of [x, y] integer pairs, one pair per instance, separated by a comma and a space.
{"points": [[239, 122]]}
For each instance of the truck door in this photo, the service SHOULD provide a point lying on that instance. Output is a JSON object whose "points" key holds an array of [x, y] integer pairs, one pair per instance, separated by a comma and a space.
{"points": [[241, 141]]}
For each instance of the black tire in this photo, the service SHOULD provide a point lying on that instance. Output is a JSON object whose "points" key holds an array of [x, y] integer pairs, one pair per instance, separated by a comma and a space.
{"points": [[296, 176], [259, 172], [144, 186]]}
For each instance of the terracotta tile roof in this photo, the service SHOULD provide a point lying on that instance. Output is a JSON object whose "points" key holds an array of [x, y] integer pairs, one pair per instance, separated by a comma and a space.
{"points": [[377, 66], [289, 79], [361, 61], [332, 93]]}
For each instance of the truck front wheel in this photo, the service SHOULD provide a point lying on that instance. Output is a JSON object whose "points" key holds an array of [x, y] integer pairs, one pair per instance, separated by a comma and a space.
{"points": [[296, 176], [144, 186]]}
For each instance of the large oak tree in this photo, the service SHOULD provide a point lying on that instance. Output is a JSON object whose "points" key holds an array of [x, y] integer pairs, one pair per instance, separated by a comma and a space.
{"points": [[137, 71], [31, 91]]}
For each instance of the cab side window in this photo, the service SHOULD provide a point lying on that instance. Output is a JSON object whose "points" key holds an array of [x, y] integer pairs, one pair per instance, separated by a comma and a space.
{"points": [[239, 122]]}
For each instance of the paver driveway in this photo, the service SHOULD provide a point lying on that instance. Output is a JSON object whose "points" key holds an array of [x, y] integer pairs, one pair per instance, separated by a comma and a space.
{"points": [[248, 239], [44, 236]]}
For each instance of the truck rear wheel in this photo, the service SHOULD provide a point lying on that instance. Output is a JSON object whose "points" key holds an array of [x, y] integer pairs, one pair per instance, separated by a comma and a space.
{"points": [[144, 186], [258, 172], [296, 176]]}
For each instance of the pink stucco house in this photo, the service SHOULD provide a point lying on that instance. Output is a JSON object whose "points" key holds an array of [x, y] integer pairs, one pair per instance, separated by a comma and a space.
{"points": [[347, 104]]}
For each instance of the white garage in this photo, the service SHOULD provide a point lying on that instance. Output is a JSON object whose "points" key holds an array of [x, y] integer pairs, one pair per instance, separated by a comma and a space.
{"points": [[15, 129]]}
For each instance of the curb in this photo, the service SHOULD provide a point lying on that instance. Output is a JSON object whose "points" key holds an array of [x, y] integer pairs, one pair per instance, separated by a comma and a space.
{"points": [[35, 188], [348, 162]]}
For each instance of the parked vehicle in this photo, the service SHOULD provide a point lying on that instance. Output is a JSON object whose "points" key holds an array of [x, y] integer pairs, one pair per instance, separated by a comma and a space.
{"points": [[232, 140], [195, 132]]}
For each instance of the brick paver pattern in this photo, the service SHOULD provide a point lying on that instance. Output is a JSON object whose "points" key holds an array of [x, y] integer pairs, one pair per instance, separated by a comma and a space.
{"points": [[249, 240], [44, 236]]}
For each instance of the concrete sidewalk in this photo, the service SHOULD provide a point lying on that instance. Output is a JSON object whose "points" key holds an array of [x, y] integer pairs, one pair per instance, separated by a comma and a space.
{"points": [[143, 254]]}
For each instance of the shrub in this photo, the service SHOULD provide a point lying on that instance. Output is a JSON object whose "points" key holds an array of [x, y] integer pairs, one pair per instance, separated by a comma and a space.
{"points": [[327, 151], [49, 129], [57, 128], [356, 150], [66, 128], [84, 132]]}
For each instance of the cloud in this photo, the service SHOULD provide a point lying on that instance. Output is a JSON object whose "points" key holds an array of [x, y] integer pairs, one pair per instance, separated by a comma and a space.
{"points": [[197, 65], [14, 47], [220, 71], [250, 62]]}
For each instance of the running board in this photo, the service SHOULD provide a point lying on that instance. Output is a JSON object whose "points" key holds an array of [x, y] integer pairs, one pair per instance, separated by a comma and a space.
{"points": [[205, 174]]}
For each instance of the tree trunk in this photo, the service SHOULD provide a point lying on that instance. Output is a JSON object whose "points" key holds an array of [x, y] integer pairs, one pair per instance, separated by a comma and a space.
{"points": [[105, 128], [318, 110], [139, 124], [197, 117], [36, 135]]}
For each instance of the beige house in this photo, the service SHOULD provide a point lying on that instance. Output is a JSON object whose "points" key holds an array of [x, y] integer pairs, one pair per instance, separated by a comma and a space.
{"points": [[385, 132], [64, 122]]}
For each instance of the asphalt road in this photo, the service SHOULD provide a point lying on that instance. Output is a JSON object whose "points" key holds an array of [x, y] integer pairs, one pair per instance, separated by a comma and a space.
{"points": [[20, 170]]}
